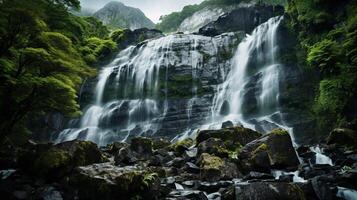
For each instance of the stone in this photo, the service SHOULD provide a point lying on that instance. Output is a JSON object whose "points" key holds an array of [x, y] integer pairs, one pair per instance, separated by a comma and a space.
{"points": [[232, 137], [214, 168], [106, 181], [180, 147], [125, 157], [192, 168], [213, 146], [344, 137], [114, 147], [243, 18], [227, 124], [142, 147], [257, 176], [271, 151], [268, 191]]}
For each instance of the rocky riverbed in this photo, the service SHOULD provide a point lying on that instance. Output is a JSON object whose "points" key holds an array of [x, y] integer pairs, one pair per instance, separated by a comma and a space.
{"points": [[231, 163]]}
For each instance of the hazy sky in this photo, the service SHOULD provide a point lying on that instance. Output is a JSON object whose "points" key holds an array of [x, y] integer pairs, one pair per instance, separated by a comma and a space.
{"points": [[153, 9]]}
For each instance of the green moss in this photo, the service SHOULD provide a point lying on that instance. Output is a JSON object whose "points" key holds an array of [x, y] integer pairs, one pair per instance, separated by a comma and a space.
{"points": [[261, 148], [50, 161], [279, 132], [211, 162], [183, 145]]}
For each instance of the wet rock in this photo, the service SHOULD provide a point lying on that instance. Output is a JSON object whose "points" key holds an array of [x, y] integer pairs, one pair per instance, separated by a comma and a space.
{"points": [[142, 147], [192, 168], [227, 124], [257, 175], [213, 146], [114, 147], [272, 151], [344, 137], [191, 153], [232, 137], [125, 157], [214, 168], [211, 187], [54, 162], [177, 162], [49, 193], [187, 194], [244, 18], [323, 187], [268, 191], [180, 147], [82, 152], [160, 143], [105, 181]]}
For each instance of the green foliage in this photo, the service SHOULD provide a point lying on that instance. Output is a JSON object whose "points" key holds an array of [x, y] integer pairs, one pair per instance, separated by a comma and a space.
{"points": [[325, 56], [96, 49], [41, 64], [327, 31]]}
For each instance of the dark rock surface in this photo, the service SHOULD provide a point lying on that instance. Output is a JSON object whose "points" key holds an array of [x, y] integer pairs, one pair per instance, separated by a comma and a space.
{"points": [[245, 18]]}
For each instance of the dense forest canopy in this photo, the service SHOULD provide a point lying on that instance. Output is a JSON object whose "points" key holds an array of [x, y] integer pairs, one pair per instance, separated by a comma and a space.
{"points": [[44, 56]]}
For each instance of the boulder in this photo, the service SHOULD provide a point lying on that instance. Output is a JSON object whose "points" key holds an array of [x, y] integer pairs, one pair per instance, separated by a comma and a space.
{"points": [[227, 124], [232, 137], [213, 146], [213, 168], [106, 181], [268, 191], [343, 137], [125, 157], [142, 147], [271, 151], [53, 162], [182, 146]]}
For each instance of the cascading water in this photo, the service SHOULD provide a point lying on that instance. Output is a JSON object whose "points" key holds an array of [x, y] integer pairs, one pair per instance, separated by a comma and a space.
{"points": [[131, 95], [320, 158]]}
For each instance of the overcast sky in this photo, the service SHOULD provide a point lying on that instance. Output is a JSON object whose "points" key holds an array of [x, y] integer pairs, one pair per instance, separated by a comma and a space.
{"points": [[153, 9]]}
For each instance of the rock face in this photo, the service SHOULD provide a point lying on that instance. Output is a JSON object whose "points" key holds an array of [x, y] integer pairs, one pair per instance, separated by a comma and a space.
{"points": [[203, 17], [245, 18], [117, 15]]}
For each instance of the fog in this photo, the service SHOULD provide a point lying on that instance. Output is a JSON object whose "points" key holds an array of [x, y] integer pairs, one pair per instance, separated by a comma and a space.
{"points": [[153, 9]]}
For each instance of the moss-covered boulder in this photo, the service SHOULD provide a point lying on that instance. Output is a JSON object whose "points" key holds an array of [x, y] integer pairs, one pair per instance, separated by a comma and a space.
{"points": [[180, 147], [232, 137], [213, 146], [82, 152], [343, 137], [271, 151], [55, 161], [213, 168], [105, 181]]}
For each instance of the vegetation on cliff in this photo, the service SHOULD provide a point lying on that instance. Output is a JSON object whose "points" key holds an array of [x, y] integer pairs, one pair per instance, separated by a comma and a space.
{"points": [[328, 36]]}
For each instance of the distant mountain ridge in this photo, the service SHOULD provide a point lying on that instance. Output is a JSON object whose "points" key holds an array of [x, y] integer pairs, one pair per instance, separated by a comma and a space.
{"points": [[118, 15]]}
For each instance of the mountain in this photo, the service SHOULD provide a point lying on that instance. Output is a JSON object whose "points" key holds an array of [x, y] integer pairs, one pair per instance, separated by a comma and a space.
{"points": [[118, 15]]}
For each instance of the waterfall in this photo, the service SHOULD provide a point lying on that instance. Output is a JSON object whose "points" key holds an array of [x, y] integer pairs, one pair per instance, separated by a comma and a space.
{"points": [[131, 95], [135, 94]]}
